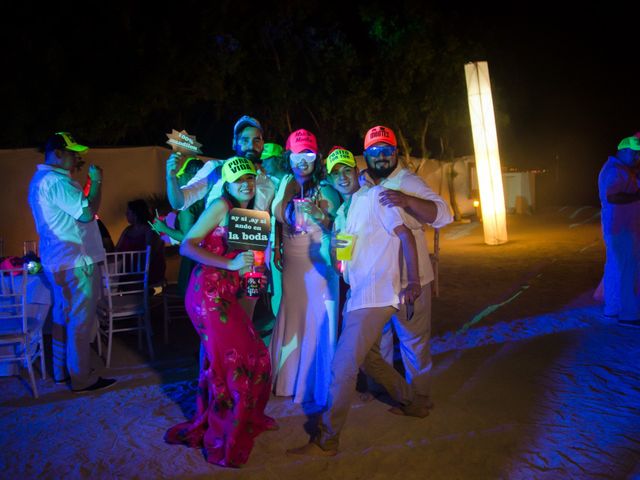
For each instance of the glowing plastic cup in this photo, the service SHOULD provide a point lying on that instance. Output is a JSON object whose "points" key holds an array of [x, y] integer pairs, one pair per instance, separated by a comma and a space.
{"points": [[345, 253], [301, 218]]}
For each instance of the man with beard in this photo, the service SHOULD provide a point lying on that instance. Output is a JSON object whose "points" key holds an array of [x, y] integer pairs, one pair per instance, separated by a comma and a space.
{"points": [[247, 143], [375, 295], [409, 192]]}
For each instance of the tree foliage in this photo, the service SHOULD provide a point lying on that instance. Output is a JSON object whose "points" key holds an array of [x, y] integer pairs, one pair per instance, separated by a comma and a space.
{"points": [[125, 73]]}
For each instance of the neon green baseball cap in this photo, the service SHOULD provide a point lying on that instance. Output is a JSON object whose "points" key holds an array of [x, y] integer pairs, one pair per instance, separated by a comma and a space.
{"points": [[184, 166], [64, 141], [271, 150], [630, 142], [236, 167], [340, 155]]}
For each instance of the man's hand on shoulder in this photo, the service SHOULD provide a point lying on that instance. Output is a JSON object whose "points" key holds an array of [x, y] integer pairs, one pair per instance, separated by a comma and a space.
{"points": [[393, 198]]}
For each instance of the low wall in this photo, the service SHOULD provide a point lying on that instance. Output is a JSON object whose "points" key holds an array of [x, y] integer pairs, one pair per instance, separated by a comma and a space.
{"points": [[129, 173], [138, 172]]}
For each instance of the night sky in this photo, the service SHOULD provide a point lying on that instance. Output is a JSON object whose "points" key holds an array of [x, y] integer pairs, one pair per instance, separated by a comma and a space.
{"points": [[570, 87], [564, 83]]}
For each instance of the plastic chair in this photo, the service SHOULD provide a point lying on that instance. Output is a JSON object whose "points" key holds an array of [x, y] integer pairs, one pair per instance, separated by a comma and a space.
{"points": [[20, 335], [125, 282], [435, 260], [29, 246]]}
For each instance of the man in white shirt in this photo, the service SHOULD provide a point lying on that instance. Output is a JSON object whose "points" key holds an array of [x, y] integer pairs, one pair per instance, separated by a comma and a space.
{"points": [[71, 249], [373, 273], [247, 143], [423, 206]]}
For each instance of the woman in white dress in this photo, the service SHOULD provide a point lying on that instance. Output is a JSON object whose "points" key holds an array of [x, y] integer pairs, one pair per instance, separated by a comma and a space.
{"points": [[304, 334]]}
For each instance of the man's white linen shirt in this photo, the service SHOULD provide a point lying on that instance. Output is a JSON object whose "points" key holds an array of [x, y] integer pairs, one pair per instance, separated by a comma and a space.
{"points": [[404, 181], [373, 273], [57, 202]]}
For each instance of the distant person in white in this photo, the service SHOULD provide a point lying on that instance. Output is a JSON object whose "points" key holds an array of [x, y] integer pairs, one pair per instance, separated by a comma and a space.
{"points": [[619, 189]]}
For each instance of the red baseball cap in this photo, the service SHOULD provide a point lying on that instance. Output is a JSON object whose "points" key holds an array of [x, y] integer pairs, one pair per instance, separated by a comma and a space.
{"points": [[302, 140], [380, 134]]}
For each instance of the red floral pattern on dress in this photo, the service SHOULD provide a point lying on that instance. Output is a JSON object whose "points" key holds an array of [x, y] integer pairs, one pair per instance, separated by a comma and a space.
{"points": [[235, 380]]}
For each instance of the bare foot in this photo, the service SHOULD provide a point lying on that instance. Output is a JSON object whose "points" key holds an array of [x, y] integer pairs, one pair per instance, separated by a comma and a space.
{"points": [[425, 401], [312, 449]]}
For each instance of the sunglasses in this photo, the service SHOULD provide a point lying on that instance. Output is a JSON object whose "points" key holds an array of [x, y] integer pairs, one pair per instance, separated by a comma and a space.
{"points": [[298, 158], [386, 150]]}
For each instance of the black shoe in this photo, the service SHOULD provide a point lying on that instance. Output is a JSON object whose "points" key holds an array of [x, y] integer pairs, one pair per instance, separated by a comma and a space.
{"points": [[101, 384], [61, 382], [629, 323]]}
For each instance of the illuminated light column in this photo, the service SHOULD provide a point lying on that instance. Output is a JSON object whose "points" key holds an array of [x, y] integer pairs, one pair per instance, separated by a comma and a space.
{"points": [[485, 144]]}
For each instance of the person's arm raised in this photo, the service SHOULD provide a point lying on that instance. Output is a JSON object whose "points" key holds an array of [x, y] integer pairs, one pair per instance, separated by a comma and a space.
{"points": [[176, 197], [95, 195]]}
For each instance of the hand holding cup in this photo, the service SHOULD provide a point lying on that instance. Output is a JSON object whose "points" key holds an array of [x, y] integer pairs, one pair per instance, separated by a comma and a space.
{"points": [[242, 261]]}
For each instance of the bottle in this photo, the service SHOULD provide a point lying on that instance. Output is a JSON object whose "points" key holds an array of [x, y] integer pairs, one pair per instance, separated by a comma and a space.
{"points": [[253, 278]]}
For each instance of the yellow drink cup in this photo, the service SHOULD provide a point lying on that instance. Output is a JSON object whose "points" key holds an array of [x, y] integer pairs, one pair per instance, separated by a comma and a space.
{"points": [[345, 253]]}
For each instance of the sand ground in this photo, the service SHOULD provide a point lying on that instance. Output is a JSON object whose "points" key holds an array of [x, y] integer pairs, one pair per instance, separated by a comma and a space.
{"points": [[530, 381]]}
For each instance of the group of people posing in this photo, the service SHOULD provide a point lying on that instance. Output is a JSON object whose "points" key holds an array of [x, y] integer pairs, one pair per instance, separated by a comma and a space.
{"points": [[318, 207], [382, 210]]}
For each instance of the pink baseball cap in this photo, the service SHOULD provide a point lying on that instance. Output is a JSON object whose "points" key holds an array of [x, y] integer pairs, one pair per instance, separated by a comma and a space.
{"points": [[302, 140]]}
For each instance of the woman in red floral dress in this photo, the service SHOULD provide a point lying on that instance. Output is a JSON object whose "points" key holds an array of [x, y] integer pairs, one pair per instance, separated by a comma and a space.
{"points": [[235, 379]]}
